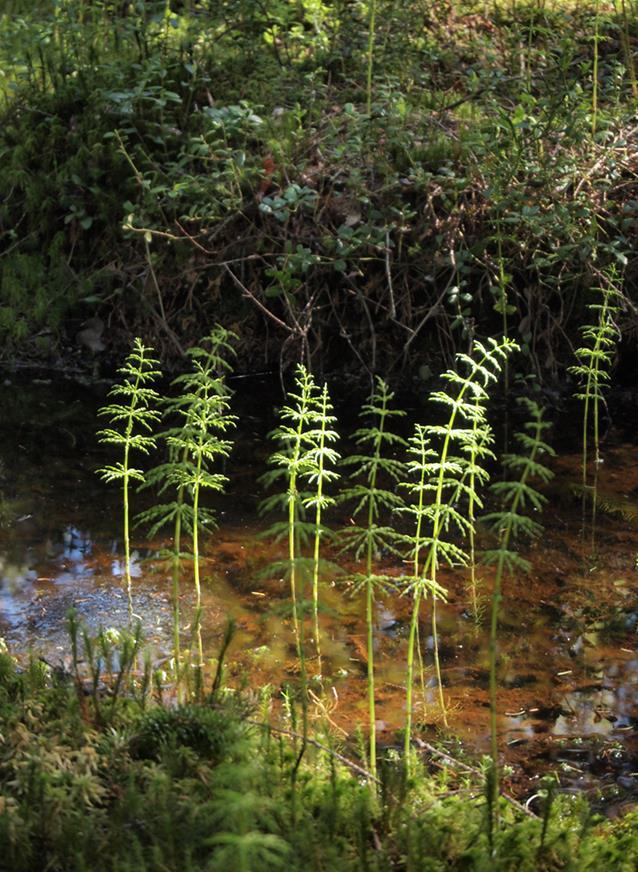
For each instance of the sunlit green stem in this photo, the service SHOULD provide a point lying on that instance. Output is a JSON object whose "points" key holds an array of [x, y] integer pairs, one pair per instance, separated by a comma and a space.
{"points": [[370, 53], [125, 500], [317, 537], [292, 542], [176, 565], [133, 413], [437, 661], [197, 620], [127, 545], [503, 280], [414, 622], [594, 92], [595, 360], [372, 717], [372, 498], [448, 486]]}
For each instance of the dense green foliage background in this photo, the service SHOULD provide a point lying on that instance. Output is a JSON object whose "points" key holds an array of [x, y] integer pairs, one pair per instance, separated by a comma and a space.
{"points": [[163, 165]]}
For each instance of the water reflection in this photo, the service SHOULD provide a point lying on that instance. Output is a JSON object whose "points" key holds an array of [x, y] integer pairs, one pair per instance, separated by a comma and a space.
{"points": [[118, 565], [16, 589]]}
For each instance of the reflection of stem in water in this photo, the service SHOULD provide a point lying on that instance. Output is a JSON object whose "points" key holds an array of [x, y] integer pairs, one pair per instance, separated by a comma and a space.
{"points": [[437, 662], [594, 507], [414, 623], [197, 620], [419, 654], [177, 545]]}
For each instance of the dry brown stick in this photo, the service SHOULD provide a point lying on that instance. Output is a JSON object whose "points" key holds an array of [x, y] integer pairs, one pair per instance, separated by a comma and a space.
{"points": [[388, 272], [248, 293]]}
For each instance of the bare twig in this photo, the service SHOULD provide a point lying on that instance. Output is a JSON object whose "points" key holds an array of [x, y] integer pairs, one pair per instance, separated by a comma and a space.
{"points": [[388, 272], [248, 293]]}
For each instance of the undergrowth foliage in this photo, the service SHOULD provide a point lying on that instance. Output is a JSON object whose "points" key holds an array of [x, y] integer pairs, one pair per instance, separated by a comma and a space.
{"points": [[306, 169], [204, 787]]}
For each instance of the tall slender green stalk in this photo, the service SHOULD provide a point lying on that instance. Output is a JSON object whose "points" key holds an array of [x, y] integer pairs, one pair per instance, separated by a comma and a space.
{"points": [[370, 499], [135, 416], [178, 513], [445, 478], [594, 90], [372, 15], [504, 307], [478, 450], [509, 524], [625, 39], [419, 466], [320, 459]]}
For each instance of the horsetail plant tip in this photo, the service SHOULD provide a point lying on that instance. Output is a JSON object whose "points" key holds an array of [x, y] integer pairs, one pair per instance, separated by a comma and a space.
{"points": [[132, 421]]}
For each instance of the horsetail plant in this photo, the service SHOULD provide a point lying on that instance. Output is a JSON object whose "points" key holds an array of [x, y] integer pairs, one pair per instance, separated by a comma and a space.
{"points": [[509, 524], [132, 421], [478, 451], [204, 410], [593, 370], [320, 458], [212, 355], [296, 436], [444, 476], [370, 499], [419, 468]]}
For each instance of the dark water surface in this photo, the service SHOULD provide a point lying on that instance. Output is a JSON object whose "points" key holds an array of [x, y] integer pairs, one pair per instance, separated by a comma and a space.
{"points": [[569, 670]]}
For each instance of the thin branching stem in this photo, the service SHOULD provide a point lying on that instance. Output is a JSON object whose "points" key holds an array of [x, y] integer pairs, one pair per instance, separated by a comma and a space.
{"points": [[370, 499]]}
